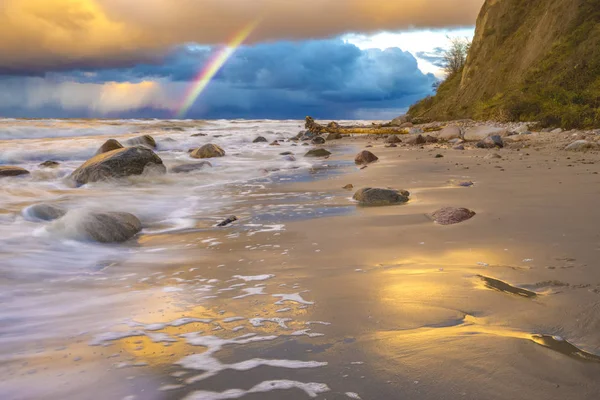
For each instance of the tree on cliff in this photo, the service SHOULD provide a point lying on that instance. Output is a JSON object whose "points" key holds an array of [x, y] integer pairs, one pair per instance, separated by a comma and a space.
{"points": [[455, 57]]}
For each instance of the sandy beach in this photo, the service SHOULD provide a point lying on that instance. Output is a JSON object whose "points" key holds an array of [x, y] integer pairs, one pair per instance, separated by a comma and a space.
{"points": [[309, 295]]}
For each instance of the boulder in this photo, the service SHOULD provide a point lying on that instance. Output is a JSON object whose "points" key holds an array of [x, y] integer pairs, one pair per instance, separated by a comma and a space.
{"points": [[318, 140], [456, 141], [9, 170], [521, 129], [118, 164], [430, 139], [334, 136], [317, 153], [393, 139], [274, 143], [452, 215], [450, 132], [102, 227], [49, 164], [208, 151], [380, 197], [365, 157], [185, 168], [109, 145], [581, 145], [479, 133], [260, 139], [418, 139], [407, 125], [402, 119], [491, 142], [43, 212], [145, 140]]}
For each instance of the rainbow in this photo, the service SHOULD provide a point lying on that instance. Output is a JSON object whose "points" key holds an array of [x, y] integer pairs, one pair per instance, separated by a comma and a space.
{"points": [[213, 66]]}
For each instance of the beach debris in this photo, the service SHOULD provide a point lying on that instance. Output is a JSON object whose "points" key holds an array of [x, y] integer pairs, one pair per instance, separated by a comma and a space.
{"points": [[43, 212], [380, 197], [49, 164], [228, 221], [365, 157], [9, 170], [146, 140], [317, 153], [109, 145], [260, 139], [118, 164], [184, 168], [208, 151], [452, 215]]}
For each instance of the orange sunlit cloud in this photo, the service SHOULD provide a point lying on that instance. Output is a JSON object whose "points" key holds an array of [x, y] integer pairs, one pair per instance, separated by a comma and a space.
{"points": [[43, 34]]}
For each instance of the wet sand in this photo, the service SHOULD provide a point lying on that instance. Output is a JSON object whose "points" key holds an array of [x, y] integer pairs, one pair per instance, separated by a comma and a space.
{"points": [[355, 302]]}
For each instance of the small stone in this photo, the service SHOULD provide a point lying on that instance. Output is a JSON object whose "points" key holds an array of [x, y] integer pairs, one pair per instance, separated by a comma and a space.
{"points": [[430, 139], [393, 139], [492, 156], [459, 147], [380, 197], [199, 134], [260, 139], [208, 151], [452, 215], [180, 169], [348, 186], [145, 140], [49, 164], [391, 145], [43, 212], [286, 153], [581, 145], [317, 153], [274, 143], [318, 140], [491, 142], [439, 156], [109, 145], [415, 140], [365, 157]]}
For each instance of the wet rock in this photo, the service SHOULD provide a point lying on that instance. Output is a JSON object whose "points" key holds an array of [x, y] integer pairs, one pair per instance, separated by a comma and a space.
{"points": [[109, 145], [228, 221], [393, 139], [305, 144], [318, 140], [145, 140], [260, 139], [348, 186], [118, 164], [581, 145], [492, 156], [43, 212], [49, 164], [415, 140], [365, 157], [380, 197], [430, 139], [274, 143], [102, 227], [199, 134], [317, 153], [185, 168], [479, 133], [491, 142], [9, 170], [208, 151], [334, 136], [465, 184], [286, 153], [450, 132], [289, 158], [452, 215]]}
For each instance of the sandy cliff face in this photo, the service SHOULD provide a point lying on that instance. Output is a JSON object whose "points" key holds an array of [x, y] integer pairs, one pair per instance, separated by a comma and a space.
{"points": [[530, 60]]}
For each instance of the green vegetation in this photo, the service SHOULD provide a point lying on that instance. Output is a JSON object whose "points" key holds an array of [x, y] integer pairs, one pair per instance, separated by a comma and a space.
{"points": [[532, 61]]}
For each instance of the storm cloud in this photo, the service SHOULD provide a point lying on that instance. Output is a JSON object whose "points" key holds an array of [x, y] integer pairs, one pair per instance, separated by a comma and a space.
{"points": [[325, 78], [41, 35]]}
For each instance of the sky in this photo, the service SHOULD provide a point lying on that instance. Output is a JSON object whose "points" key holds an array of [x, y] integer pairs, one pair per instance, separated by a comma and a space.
{"points": [[337, 59]]}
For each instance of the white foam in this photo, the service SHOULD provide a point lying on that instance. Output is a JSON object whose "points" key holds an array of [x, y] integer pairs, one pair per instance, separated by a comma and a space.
{"points": [[256, 322], [353, 395], [293, 297], [233, 319], [311, 389], [254, 278], [255, 291]]}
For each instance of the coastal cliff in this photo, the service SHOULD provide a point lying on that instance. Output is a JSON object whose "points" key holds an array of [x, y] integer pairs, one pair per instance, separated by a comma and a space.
{"points": [[529, 61]]}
